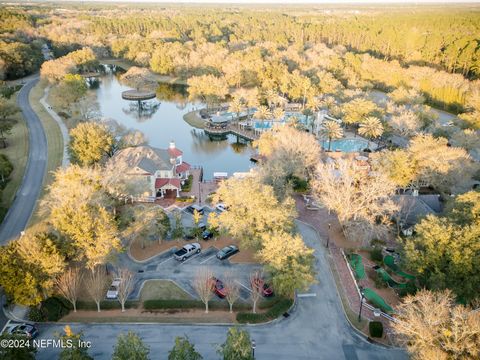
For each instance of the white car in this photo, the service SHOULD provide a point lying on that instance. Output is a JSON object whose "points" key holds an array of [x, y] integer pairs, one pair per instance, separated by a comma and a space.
{"points": [[220, 207], [186, 251], [112, 292]]}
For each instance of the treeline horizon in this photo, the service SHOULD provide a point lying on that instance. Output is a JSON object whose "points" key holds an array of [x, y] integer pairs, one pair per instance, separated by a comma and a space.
{"points": [[432, 49]]}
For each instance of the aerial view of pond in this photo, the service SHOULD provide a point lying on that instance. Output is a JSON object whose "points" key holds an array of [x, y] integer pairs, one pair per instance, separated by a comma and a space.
{"points": [[161, 120]]}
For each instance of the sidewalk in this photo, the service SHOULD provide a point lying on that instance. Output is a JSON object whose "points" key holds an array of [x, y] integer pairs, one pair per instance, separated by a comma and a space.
{"points": [[319, 220], [61, 124]]}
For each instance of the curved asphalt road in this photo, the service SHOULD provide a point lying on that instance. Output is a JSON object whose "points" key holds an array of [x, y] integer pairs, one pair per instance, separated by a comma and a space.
{"points": [[22, 208], [317, 329]]}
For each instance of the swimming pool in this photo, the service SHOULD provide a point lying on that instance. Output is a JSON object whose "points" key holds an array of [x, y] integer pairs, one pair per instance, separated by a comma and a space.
{"points": [[348, 145]]}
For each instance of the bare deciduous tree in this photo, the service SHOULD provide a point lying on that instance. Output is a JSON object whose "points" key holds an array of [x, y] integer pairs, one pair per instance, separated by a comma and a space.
{"points": [[232, 289], [97, 283], [256, 292], [359, 197], [435, 327], [203, 285], [68, 284], [126, 286]]}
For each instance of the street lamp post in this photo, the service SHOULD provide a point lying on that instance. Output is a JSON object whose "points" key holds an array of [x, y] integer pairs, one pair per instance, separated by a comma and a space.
{"points": [[361, 305], [328, 237], [254, 345]]}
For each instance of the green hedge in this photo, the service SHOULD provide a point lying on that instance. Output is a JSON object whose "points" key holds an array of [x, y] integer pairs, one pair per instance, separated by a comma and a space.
{"points": [[376, 254], [185, 199], [376, 329], [280, 307], [188, 184], [51, 309], [191, 304], [105, 305]]}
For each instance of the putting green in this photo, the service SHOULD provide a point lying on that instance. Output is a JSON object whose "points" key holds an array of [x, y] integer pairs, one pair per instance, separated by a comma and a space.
{"points": [[392, 283], [389, 260], [377, 301], [355, 261]]}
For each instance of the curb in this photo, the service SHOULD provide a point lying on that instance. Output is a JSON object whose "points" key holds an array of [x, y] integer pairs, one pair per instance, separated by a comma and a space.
{"points": [[358, 333]]}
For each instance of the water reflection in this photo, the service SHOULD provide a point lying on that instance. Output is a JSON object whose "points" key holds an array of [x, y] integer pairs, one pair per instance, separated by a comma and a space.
{"points": [[164, 122], [142, 110]]}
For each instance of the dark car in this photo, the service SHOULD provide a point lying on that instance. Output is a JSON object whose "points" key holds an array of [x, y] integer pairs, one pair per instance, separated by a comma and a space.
{"points": [[258, 283], [27, 330], [207, 234], [217, 287], [191, 209], [226, 252]]}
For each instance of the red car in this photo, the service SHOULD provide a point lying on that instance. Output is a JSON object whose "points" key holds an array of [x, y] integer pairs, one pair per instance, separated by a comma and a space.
{"points": [[266, 290], [217, 287]]}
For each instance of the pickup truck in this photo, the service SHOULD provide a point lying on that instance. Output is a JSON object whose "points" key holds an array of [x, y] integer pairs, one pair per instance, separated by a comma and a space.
{"points": [[187, 251]]}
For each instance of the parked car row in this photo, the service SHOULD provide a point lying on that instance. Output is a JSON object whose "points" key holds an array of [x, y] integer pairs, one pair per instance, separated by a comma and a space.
{"points": [[195, 248], [217, 287]]}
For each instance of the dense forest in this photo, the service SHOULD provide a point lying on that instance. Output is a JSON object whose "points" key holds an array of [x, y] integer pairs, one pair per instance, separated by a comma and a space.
{"points": [[433, 50]]}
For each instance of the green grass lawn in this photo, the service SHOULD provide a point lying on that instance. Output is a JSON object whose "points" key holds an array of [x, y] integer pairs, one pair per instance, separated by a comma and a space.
{"points": [[162, 289], [193, 120], [17, 153]]}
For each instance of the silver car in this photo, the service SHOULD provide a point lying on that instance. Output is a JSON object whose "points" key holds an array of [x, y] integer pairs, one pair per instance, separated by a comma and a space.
{"points": [[188, 250]]}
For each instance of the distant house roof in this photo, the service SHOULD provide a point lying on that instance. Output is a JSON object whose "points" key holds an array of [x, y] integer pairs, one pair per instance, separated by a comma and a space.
{"points": [[163, 182], [415, 208], [145, 158], [174, 152], [182, 167]]}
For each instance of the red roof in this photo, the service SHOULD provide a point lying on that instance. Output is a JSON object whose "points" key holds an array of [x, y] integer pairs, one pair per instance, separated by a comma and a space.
{"points": [[182, 167], [175, 152], [161, 182]]}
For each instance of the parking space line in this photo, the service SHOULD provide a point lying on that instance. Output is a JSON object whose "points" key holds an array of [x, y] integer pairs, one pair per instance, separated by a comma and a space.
{"points": [[5, 327], [164, 261], [191, 257], [204, 261], [239, 283]]}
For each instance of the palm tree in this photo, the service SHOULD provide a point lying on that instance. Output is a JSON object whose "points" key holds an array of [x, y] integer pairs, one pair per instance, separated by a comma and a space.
{"points": [[278, 114], [371, 128], [331, 130], [236, 106], [272, 98], [294, 122], [263, 113]]}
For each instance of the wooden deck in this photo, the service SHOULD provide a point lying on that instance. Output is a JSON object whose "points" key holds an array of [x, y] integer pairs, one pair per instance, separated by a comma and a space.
{"points": [[234, 130]]}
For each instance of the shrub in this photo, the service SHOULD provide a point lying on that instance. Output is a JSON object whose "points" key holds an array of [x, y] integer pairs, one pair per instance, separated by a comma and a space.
{"points": [[36, 315], [379, 281], [410, 289], [299, 185], [185, 199], [281, 306], [376, 254], [190, 304], [51, 309], [6, 169], [105, 305], [376, 329], [188, 184]]}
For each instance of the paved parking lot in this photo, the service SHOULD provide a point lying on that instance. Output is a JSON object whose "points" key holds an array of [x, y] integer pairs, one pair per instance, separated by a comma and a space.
{"points": [[164, 266]]}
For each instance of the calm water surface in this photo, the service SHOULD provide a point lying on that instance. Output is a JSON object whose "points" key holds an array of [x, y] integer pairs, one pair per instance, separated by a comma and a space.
{"points": [[161, 120]]}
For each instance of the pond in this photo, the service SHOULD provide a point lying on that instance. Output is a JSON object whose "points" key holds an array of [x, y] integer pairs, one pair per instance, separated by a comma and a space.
{"points": [[161, 121]]}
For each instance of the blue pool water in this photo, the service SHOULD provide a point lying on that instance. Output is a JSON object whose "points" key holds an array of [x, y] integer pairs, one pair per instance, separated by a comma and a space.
{"points": [[347, 145], [268, 124]]}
